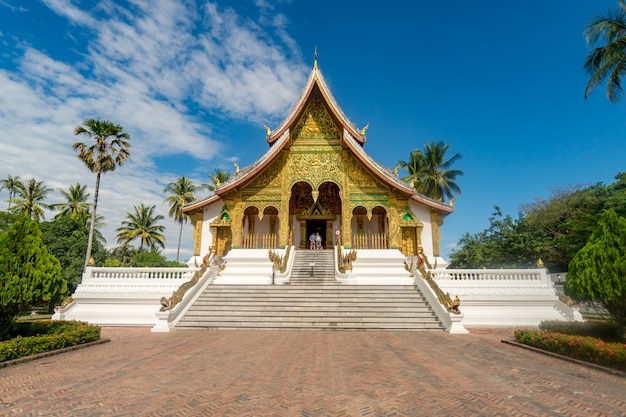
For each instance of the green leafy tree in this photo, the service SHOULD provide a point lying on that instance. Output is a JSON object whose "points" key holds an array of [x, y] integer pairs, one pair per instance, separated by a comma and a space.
{"points": [[597, 274], [142, 224], [110, 148], [430, 173], [66, 239], [217, 178], [181, 192], [6, 220], [439, 180], [29, 274], [153, 259], [29, 199], [505, 244], [11, 184], [607, 63], [121, 256], [75, 205], [415, 167]]}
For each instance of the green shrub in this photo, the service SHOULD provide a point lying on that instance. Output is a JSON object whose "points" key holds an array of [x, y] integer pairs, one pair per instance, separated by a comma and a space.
{"points": [[584, 348], [607, 331], [44, 336]]}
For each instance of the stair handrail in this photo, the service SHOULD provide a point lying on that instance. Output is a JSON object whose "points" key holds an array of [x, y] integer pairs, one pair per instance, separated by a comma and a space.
{"points": [[344, 261], [167, 316], [446, 309]]}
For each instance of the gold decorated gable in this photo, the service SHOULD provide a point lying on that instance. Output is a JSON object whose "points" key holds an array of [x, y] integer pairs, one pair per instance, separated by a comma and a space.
{"points": [[408, 218], [316, 122], [223, 219], [317, 211]]}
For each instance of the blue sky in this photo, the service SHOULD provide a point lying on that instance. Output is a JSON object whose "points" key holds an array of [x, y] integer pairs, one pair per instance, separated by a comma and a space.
{"points": [[194, 82]]}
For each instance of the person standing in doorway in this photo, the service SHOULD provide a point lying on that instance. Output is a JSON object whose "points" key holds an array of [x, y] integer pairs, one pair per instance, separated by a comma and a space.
{"points": [[312, 241], [318, 241]]}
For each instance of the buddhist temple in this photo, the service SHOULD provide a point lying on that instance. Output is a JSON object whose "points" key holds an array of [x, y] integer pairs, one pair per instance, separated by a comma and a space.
{"points": [[316, 177]]}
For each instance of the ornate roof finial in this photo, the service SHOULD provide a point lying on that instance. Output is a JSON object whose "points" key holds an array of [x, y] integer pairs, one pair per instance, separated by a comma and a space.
{"points": [[362, 131], [236, 168], [268, 131], [315, 58]]}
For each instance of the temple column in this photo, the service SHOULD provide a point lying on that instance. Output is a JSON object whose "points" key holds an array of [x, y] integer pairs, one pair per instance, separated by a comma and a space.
{"points": [[436, 221], [196, 220]]}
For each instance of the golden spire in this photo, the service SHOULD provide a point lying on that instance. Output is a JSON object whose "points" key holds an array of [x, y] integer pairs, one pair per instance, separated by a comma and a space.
{"points": [[236, 168], [315, 58]]}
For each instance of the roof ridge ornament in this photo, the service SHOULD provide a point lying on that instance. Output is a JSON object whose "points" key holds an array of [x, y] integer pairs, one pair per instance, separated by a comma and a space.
{"points": [[362, 131], [315, 58]]}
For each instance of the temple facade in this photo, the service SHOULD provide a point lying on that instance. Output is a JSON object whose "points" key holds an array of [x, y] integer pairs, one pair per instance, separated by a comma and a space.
{"points": [[316, 178]]}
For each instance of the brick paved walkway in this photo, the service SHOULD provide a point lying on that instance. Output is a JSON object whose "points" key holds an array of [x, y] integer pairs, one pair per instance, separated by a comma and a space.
{"points": [[300, 373]]}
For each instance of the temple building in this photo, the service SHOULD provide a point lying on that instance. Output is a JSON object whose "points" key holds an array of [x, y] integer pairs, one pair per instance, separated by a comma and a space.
{"points": [[317, 178]]}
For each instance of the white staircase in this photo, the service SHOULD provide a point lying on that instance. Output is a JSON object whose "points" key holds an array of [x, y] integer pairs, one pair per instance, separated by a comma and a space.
{"points": [[310, 307], [314, 300]]}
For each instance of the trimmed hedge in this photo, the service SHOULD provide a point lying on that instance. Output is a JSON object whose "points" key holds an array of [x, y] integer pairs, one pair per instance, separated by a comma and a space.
{"points": [[584, 348], [604, 330], [44, 336]]}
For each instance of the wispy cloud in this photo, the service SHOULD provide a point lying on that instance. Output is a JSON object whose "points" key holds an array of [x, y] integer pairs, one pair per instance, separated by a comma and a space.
{"points": [[163, 69]]}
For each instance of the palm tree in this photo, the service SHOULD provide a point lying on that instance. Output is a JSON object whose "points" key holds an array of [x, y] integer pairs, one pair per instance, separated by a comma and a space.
{"points": [[75, 205], [11, 184], [608, 62], [110, 148], [439, 180], [182, 193], [217, 178], [142, 224], [415, 167], [29, 199]]}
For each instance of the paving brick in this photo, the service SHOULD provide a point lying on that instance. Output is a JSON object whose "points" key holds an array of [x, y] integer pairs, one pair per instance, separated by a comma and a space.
{"points": [[307, 373]]}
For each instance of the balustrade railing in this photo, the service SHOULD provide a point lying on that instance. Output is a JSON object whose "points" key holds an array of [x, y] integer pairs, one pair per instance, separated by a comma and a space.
{"points": [[125, 274], [370, 241], [260, 241], [490, 274]]}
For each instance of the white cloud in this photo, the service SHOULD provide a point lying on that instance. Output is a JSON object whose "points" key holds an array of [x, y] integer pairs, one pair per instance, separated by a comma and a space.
{"points": [[147, 65]]}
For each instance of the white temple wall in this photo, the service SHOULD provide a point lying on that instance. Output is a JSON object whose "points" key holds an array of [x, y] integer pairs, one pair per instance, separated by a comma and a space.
{"points": [[423, 214], [210, 213]]}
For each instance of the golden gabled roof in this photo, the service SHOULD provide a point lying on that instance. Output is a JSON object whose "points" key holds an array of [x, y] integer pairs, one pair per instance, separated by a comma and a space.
{"points": [[352, 137], [316, 78]]}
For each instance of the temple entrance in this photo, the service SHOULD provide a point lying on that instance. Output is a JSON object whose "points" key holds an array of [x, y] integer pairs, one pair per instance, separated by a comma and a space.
{"points": [[317, 226]]}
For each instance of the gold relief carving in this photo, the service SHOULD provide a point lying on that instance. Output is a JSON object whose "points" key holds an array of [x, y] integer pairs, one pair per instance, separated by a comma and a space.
{"points": [[359, 177], [269, 177], [196, 219], [315, 168], [436, 221], [316, 123]]}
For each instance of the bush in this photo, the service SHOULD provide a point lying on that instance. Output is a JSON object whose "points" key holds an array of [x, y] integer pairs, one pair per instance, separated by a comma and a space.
{"points": [[584, 348], [606, 331], [44, 336]]}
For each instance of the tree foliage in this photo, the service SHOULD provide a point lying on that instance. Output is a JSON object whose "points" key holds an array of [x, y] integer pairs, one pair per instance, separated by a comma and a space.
{"points": [[29, 274], [552, 229], [110, 147], [142, 224], [181, 193], [607, 63], [598, 271], [66, 239], [430, 173]]}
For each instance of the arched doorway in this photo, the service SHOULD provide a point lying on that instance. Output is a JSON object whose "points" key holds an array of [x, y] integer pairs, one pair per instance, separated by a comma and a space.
{"points": [[316, 211]]}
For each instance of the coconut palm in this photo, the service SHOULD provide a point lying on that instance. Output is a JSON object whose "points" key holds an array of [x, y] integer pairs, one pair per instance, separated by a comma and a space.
{"points": [[607, 62], [438, 181], [142, 224], [11, 184], [29, 198], [181, 192], [414, 166], [217, 178], [109, 149], [75, 205]]}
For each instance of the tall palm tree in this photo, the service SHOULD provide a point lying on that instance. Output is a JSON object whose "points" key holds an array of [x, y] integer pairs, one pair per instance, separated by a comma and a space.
{"points": [[181, 192], [439, 180], [110, 148], [142, 224], [608, 62], [11, 184], [29, 199], [75, 205], [415, 167], [217, 178]]}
